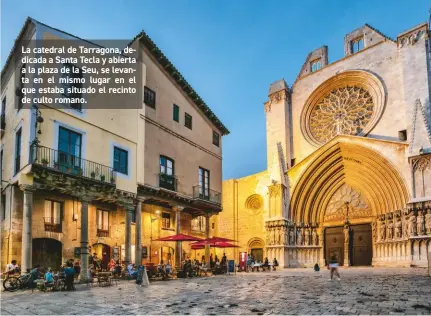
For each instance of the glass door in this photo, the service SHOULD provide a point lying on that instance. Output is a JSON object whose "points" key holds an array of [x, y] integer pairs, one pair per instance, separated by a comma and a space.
{"points": [[69, 151], [204, 183]]}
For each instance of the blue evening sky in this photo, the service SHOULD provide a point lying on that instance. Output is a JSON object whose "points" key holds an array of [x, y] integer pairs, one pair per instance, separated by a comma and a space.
{"points": [[229, 51]]}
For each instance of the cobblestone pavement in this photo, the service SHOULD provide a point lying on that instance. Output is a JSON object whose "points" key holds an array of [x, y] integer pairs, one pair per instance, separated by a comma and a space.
{"points": [[293, 291]]}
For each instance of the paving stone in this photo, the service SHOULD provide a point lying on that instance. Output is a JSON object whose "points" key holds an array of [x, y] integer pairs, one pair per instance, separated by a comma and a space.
{"points": [[294, 291]]}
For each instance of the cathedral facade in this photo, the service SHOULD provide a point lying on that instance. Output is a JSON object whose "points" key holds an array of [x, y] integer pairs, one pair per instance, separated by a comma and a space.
{"points": [[348, 160]]}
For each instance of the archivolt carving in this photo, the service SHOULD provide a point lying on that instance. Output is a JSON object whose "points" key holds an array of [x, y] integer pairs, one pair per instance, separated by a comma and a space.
{"points": [[346, 197], [349, 103], [422, 164], [254, 203], [345, 110]]}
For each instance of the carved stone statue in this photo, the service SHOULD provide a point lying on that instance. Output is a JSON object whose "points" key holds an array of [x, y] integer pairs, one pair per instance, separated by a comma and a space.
{"points": [[374, 230], [306, 237], [428, 222], [268, 237], [390, 229], [398, 227], [412, 224], [285, 236], [314, 237], [382, 230], [405, 226], [420, 224], [291, 237], [299, 236], [346, 234]]}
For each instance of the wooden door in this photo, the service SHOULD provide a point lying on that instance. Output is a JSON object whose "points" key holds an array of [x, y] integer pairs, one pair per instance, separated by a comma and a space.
{"points": [[334, 244]]}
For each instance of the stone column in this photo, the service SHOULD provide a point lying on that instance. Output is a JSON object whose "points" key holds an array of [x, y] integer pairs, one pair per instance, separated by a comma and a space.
{"points": [[207, 235], [138, 232], [128, 235], [346, 245], [26, 247], [84, 239], [178, 246]]}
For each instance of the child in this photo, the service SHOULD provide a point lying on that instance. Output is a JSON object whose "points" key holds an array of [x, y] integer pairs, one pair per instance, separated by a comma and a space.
{"points": [[48, 276], [316, 267]]}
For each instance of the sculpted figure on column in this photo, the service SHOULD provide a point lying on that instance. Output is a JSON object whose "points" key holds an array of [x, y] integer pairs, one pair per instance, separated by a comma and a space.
{"points": [[420, 224], [412, 224], [428, 222], [374, 230], [346, 234], [405, 225], [390, 229], [314, 237], [268, 236], [306, 237], [299, 237], [285, 235], [398, 227], [382, 230], [291, 236]]}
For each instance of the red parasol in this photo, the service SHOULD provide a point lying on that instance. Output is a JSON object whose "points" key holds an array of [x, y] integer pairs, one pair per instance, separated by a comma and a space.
{"points": [[222, 244], [179, 237]]}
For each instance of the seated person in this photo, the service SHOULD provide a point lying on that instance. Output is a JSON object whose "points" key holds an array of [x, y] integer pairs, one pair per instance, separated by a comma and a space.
{"points": [[49, 279], [91, 271], [266, 263], [168, 269], [274, 264], [117, 269], [131, 269], [12, 267]]}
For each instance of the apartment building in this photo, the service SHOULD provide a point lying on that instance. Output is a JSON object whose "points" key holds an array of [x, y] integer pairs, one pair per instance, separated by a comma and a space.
{"points": [[78, 180]]}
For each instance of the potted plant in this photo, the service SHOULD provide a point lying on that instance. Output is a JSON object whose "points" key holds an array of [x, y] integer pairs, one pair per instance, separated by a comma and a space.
{"points": [[79, 171], [112, 180], [56, 164], [102, 177], [93, 174], [44, 162]]}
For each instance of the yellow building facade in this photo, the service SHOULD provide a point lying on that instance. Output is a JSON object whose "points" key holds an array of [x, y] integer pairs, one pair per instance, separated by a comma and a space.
{"points": [[348, 160], [84, 179]]}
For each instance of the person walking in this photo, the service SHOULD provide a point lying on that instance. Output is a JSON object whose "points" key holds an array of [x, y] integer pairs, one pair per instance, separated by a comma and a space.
{"points": [[333, 267]]}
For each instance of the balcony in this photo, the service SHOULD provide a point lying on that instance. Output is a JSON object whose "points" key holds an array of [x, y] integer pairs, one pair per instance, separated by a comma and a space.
{"points": [[53, 225], [205, 194], [69, 164], [103, 231], [168, 182]]}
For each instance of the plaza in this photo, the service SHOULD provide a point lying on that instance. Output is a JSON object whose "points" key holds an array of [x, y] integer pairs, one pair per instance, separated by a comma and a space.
{"points": [[289, 291]]}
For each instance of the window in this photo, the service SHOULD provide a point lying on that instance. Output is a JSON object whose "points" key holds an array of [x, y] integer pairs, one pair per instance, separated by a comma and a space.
{"points": [[69, 151], [176, 114], [216, 139], [149, 97], [357, 45], [402, 135], [204, 183], [52, 216], [187, 120], [20, 86], [102, 223], [18, 151], [3, 113], [120, 160], [167, 175], [166, 220], [71, 82], [3, 206], [292, 162], [316, 65], [198, 223]]}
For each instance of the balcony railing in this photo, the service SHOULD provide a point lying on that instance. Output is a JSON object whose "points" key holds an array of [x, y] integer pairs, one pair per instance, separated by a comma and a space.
{"points": [[168, 182], [102, 232], [70, 164], [52, 224], [199, 192]]}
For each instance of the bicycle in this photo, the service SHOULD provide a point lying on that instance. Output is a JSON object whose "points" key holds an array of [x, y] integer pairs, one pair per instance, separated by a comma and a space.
{"points": [[13, 283]]}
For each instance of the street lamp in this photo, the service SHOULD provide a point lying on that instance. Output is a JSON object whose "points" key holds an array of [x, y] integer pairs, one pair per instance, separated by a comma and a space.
{"points": [[151, 237]]}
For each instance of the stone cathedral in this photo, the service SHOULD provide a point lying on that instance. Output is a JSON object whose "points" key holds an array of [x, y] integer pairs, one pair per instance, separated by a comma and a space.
{"points": [[348, 160]]}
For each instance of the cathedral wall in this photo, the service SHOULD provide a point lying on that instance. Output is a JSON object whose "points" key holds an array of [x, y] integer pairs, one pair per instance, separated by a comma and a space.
{"points": [[243, 213]]}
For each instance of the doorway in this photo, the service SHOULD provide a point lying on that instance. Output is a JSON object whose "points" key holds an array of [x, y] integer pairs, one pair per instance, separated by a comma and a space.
{"points": [[361, 245], [47, 252], [334, 244]]}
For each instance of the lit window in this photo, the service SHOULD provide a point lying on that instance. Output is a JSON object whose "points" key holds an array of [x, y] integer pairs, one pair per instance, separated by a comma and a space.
{"points": [[198, 223], [52, 216], [102, 223], [316, 65], [166, 220], [357, 45]]}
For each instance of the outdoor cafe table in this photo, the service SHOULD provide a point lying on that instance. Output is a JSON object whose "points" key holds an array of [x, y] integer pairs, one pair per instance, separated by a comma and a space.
{"points": [[260, 265]]}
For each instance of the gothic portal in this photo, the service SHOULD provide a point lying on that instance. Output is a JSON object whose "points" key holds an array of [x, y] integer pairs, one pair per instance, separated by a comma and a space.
{"points": [[348, 160]]}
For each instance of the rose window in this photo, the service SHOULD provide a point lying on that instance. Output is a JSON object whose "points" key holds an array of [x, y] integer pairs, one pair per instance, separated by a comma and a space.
{"points": [[346, 110]]}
